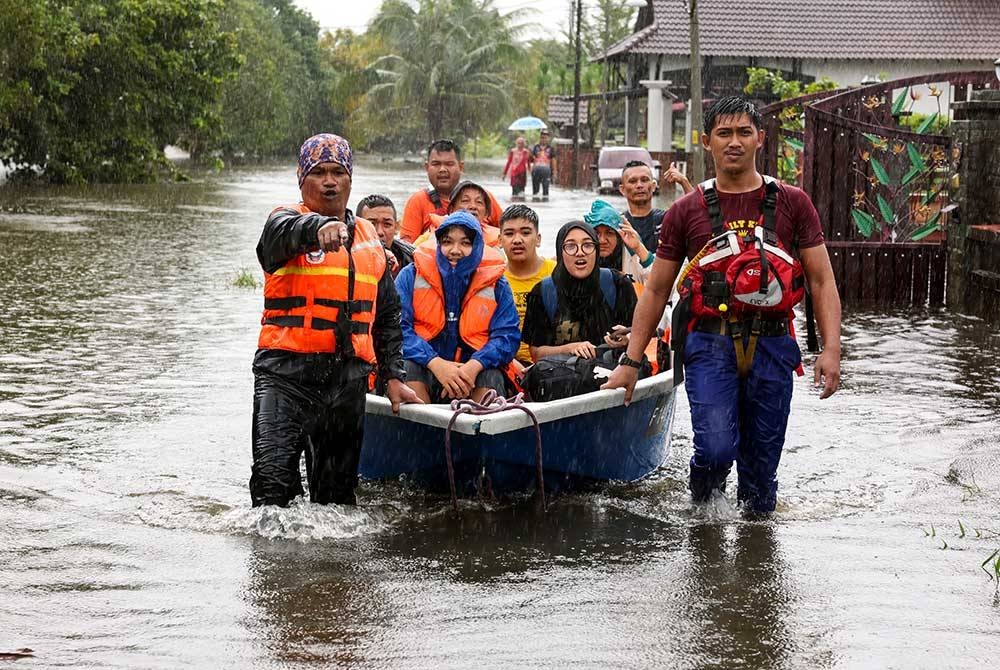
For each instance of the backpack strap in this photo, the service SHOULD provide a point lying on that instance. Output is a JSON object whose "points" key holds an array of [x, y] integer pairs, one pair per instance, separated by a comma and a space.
{"points": [[769, 206], [434, 197], [550, 297], [711, 198], [608, 288]]}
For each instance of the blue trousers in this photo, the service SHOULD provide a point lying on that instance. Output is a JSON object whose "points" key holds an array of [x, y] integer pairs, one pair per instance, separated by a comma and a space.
{"points": [[739, 419]]}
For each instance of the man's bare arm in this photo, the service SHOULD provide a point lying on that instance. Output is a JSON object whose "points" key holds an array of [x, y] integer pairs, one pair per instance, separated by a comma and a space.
{"points": [[826, 301]]}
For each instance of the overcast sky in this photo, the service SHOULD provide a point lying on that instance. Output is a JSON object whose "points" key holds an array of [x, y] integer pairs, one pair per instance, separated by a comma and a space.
{"points": [[355, 14]]}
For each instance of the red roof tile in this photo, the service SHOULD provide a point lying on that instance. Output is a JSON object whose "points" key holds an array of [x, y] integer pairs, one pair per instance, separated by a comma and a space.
{"points": [[843, 29]]}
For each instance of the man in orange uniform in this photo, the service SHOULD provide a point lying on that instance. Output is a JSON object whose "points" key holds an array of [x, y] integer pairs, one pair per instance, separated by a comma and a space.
{"points": [[330, 314], [444, 170]]}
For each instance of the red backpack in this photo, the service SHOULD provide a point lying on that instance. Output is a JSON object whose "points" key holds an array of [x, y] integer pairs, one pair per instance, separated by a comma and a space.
{"points": [[735, 278]]}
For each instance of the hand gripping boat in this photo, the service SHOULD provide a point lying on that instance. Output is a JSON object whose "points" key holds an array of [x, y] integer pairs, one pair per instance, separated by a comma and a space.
{"points": [[586, 440]]}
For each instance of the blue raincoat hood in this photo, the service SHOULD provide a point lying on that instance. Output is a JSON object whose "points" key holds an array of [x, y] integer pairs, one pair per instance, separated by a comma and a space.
{"points": [[456, 279]]}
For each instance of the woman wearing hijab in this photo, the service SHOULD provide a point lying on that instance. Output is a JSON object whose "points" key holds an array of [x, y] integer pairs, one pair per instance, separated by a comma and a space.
{"points": [[621, 248], [574, 310]]}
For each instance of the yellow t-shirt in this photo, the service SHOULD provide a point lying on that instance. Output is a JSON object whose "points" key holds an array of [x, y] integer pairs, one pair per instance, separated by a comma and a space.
{"points": [[521, 287]]}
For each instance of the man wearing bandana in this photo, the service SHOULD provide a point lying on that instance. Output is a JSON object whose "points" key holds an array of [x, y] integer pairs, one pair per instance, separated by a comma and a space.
{"points": [[331, 314]]}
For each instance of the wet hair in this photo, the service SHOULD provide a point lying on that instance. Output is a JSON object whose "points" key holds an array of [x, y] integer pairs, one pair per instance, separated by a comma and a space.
{"points": [[732, 105], [443, 147], [461, 186], [632, 164], [520, 212], [374, 200]]}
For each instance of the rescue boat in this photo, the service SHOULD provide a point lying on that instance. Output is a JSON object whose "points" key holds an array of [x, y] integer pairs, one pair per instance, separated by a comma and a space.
{"points": [[586, 440]]}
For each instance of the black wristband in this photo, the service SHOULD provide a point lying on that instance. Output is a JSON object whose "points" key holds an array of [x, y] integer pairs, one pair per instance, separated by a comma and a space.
{"points": [[625, 360]]}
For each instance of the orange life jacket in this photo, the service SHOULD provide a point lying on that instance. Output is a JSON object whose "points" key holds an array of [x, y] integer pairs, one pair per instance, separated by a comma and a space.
{"points": [[314, 295], [478, 304], [491, 234]]}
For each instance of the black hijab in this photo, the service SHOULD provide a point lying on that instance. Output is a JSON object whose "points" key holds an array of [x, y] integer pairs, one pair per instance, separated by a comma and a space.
{"points": [[581, 300], [614, 260]]}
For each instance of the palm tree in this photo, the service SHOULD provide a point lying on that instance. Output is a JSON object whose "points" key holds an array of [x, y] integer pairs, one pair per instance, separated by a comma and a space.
{"points": [[447, 66]]}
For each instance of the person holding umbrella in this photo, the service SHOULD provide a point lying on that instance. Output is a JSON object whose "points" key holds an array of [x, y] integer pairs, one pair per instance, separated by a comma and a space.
{"points": [[543, 165]]}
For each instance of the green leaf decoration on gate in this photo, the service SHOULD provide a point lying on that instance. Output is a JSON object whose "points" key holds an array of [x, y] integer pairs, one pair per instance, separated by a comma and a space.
{"points": [[880, 172], [930, 227], [911, 174], [874, 139], [916, 160], [900, 102], [864, 221], [927, 123], [886, 209], [795, 143]]}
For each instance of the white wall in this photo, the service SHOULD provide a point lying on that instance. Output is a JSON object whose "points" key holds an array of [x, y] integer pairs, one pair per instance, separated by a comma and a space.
{"points": [[850, 72]]}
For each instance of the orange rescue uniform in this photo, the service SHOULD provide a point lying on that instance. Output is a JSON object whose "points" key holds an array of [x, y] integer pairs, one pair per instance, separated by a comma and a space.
{"points": [[306, 299]]}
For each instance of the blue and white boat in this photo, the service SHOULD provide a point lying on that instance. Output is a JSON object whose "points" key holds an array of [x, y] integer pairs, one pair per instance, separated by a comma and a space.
{"points": [[586, 440]]}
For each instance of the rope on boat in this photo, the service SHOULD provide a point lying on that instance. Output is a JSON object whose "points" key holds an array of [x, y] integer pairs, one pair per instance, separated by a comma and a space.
{"points": [[492, 404]]}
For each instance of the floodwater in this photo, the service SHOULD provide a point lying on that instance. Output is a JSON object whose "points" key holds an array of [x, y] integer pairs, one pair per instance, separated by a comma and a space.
{"points": [[128, 540]]}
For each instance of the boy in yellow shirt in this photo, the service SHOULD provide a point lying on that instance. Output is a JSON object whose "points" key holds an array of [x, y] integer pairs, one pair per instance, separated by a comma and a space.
{"points": [[520, 240]]}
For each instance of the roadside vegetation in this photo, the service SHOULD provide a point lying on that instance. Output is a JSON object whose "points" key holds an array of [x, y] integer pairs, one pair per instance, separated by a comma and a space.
{"points": [[94, 90]]}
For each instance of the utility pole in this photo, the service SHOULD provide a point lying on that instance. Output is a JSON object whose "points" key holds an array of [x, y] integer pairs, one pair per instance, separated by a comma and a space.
{"points": [[697, 156], [605, 43], [576, 98]]}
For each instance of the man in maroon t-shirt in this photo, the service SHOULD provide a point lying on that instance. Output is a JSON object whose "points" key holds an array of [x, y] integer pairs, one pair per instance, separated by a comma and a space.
{"points": [[733, 417]]}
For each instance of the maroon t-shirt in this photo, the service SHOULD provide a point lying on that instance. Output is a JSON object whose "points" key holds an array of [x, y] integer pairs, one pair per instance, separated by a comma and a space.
{"points": [[686, 228]]}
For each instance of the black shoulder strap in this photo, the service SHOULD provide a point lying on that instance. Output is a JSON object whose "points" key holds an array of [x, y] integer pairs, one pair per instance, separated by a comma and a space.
{"points": [[712, 202], [769, 206], [435, 198]]}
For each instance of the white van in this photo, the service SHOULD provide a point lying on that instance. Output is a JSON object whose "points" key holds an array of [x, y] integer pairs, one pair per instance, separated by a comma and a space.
{"points": [[608, 175]]}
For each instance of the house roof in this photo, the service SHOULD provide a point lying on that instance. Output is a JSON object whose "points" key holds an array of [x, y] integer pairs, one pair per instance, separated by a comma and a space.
{"points": [[841, 29], [560, 110]]}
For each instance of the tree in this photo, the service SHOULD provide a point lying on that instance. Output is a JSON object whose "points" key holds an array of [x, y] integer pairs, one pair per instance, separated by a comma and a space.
{"points": [[133, 76], [447, 70], [280, 92]]}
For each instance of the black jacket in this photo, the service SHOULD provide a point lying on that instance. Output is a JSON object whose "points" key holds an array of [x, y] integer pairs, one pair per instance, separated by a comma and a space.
{"points": [[288, 234]]}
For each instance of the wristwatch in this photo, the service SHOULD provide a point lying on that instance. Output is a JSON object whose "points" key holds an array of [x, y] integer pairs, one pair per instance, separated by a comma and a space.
{"points": [[625, 360]]}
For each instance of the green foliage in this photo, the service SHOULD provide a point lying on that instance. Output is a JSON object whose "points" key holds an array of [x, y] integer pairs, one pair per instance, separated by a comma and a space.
{"points": [[923, 123], [864, 221], [98, 88], [279, 93], [762, 80], [445, 70], [880, 173], [244, 278], [488, 145]]}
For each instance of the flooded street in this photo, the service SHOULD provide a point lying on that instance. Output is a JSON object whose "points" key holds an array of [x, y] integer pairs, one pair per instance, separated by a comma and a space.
{"points": [[129, 542]]}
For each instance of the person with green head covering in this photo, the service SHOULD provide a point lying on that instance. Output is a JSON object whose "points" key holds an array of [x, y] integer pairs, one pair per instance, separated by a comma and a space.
{"points": [[621, 248]]}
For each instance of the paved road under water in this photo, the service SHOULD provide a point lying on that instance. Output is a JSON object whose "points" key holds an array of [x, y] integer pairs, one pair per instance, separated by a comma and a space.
{"points": [[128, 541]]}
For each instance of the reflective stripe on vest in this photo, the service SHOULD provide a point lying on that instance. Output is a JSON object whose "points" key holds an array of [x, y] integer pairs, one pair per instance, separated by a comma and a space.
{"points": [[325, 302], [478, 305]]}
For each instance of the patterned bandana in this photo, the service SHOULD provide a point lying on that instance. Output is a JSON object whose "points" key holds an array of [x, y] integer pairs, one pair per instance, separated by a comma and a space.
{"points": [[324, 148]]}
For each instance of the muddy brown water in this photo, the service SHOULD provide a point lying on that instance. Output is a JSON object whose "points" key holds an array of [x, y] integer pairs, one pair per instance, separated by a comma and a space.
{"points": [[128, 540]]}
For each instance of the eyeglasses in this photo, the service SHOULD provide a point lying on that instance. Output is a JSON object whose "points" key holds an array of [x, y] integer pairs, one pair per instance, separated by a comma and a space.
{"points": [[572, 248]]}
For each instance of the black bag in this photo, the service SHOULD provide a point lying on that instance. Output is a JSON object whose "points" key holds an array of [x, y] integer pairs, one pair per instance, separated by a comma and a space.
{"points": [[559, 376], [563, 376]]}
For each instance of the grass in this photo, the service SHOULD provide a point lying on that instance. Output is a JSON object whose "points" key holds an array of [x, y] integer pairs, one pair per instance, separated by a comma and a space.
{"points": [[991, 566], [245, 279]]}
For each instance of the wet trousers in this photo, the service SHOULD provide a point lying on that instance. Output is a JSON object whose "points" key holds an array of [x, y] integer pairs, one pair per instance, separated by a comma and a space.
{"points": [[325, 422], [738, 419], [541, 176]]}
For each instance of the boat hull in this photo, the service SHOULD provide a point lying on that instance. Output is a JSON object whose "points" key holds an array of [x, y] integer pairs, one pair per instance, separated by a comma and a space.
{"points": [[585, 441]]}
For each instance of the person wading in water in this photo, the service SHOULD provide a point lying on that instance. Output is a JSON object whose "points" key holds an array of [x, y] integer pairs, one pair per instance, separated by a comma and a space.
{"points": [[739, 355]]}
